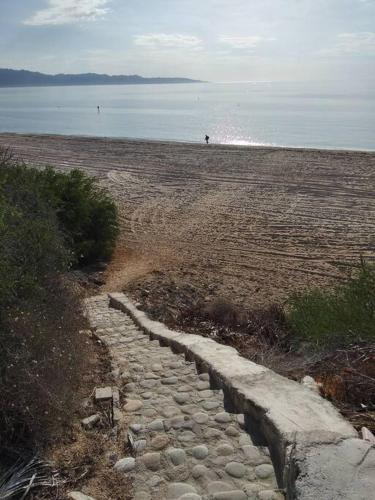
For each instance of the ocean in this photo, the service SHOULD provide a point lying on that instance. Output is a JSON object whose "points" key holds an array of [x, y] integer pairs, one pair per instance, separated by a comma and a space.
{"points": [[311, 115]]}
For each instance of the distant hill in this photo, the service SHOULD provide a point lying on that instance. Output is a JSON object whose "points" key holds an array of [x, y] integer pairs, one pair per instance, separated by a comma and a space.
{"points": [[23, 78]]}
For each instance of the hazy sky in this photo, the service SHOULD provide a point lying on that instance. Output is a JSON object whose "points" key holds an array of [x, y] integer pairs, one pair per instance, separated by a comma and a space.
{"points": [[222, 40]]}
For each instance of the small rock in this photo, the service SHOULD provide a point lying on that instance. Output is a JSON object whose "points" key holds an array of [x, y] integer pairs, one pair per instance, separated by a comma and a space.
{"points": [[200, 418], [181, 398], [136, 428], [160, 442], [151, 460], [223, 418], [147, 395], [170, 411], [90, 422], [176, 455], [203, 385], [244, 440], [231, 431], [186, 436], [212, 433], [235, 469], [156, 425], [157, 368], [150, 412], [130, 387], [224, 449], [204, 376], [264, 471], [103, 394], [251, 453], [140, 446], [310, 383], [200, 452], [125, 464], [176, 490], [184, 388], [154, 481], [133, 405], [199, 471], [210, 405], [206, 394], [169, 381], [150, 376]]}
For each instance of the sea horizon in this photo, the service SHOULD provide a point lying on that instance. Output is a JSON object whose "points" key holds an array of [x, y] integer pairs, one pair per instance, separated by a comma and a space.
{"points": [[266, 114]]}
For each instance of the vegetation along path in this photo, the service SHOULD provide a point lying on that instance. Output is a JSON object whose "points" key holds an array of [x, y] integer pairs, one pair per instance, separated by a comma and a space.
{"points": [[185, 444]]}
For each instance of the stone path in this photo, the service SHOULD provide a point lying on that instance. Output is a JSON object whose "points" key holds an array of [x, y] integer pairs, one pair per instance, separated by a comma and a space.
{"points": [[187, 446]]}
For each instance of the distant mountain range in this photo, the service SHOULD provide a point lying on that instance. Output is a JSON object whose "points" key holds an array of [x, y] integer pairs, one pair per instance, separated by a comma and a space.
{"points": [[23, 78]]}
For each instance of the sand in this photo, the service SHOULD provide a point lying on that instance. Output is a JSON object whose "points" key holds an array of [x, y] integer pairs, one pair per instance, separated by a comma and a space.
{"points": [[254, 222]]}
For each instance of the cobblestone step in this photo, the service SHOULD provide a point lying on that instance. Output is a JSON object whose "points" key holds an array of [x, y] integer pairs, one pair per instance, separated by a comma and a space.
{"points": [[186, 445]]}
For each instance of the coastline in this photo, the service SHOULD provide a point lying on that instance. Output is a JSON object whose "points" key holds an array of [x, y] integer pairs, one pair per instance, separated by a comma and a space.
{"points": [[191, 143]]}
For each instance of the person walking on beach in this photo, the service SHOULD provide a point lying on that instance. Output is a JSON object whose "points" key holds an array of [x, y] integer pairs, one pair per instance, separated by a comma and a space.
{"points": [[207, 139], [98, 109]]}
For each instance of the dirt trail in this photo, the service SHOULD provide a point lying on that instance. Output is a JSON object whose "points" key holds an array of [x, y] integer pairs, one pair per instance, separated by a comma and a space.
{"points": [[256, 222]]}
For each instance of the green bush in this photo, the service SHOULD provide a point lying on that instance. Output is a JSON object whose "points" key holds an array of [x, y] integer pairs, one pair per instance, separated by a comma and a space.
{"points": [[339, 316], [87, 215], [48, 221]]}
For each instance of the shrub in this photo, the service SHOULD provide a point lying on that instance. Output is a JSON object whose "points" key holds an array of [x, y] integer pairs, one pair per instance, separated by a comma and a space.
{"points": [[87, 215], [338, 316]]}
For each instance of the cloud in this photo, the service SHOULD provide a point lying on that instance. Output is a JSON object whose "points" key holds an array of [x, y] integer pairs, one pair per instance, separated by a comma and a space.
{"points": [[243, 42], [163, 40], [362, 43], [68, 12]]}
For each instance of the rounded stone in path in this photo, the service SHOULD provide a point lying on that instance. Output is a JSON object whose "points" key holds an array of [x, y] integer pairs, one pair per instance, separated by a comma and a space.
{"points": [[186, 436], [225, 449], [200, 452], [264, 471], [150, 376], [235, 469], [170, 411], [200, 418], [160, 442], [231, 431], [204, 376], [206, 394], [147, 395], [176, 490], [136, 428], [199, 471], [150, 412], [176, 455], [125, 464], [251, 453], [184, 388], [181, 398], [156, 425], [140, 446], [212, 433], [203, 385], [151, 460], [210, 405], [130, 387], [169, 381], [156, 367], [133, 405], [241, 420], [223, 418], [244, 440]]}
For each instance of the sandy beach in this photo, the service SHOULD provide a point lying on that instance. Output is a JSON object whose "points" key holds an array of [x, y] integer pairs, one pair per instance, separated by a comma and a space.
{"points": [[254, 223]]}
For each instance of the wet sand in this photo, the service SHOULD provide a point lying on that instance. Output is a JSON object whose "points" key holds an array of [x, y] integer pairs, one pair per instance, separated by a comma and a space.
{"points": [[255, 222]]}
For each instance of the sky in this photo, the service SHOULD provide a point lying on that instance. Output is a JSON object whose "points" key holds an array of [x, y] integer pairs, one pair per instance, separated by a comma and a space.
{"points": [[216, 40]]}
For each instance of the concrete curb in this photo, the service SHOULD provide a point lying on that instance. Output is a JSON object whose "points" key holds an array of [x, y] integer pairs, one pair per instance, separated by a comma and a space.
{"points": [[316, 453]]}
